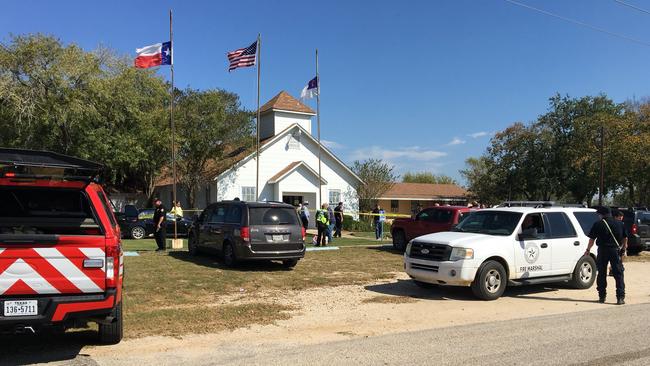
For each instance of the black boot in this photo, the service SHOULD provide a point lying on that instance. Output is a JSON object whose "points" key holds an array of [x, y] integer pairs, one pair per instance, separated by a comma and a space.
{"points": [[620, 301], [601, 299]]}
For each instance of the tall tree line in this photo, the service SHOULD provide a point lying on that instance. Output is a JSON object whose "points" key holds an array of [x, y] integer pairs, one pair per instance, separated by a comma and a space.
{"points": [[97, 106], [557, 157]]}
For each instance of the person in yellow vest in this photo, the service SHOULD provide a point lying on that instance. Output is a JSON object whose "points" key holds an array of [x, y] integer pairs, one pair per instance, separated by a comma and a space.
{"points": [[177, 210], [322, 224]]}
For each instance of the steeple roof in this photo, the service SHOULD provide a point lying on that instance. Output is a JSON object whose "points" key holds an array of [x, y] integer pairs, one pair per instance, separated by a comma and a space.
{"points": [[284, 101]]}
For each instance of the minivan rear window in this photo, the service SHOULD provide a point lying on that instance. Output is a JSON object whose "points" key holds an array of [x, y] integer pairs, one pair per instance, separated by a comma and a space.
{"points": [[586, 220], [273, 216]]}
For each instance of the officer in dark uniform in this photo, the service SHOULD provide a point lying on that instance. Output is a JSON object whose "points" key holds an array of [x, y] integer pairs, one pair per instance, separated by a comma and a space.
{"points": [[608, 235], [160, 227]]}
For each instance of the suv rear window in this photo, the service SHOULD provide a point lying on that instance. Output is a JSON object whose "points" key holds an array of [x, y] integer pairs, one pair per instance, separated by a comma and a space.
{"points": [[437, 216], [644, 218], [273, 216], [586, 220], [35, 210]]}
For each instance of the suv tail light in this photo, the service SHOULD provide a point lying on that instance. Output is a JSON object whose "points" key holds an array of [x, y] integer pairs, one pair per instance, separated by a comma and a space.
{"points": [[114, 265], [304, 233], [635, 229], [245, 234]]}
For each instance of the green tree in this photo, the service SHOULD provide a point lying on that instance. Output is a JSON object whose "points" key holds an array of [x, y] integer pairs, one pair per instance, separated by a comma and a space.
{"points": [[94, 105], [378, 177], [208, 122], [427, 177]]}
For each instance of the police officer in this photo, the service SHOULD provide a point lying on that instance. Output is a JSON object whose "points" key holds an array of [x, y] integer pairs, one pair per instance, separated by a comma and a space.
{"points": [[608, 235], [159, 225], [322, 224]]}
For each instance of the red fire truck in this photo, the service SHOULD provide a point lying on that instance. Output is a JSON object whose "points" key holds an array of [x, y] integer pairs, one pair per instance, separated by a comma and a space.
{"points": [[61, 258]]}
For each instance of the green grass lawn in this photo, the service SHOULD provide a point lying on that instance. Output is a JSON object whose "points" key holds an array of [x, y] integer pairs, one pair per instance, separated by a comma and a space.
{"points": [[173, 293]]}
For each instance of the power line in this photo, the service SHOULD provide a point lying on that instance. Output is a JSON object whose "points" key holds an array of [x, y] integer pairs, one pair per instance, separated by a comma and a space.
{"points": [[577, 22], [632, 6]]}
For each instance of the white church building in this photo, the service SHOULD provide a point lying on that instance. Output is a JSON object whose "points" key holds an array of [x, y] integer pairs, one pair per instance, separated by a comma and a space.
{"points": [[288, 169]]}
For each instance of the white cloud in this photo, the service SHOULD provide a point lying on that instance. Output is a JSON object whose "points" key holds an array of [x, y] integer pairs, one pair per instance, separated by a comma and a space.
{"points": [[456, 141], [476, 135], [332, 144], [397, 155]]}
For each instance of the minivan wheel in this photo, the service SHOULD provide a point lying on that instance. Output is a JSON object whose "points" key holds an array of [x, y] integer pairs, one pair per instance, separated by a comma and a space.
{"points": [[229, 257], [490, 281], [138, 232], [289, 263], [399, 240], [584, 274]]}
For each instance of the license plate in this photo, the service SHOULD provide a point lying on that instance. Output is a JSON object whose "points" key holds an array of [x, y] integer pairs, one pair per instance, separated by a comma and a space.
{"points": [[278, 237], [21, 308]]}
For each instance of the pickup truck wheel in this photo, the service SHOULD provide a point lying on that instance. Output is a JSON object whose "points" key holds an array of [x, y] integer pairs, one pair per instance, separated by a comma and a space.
{"points": [[399, 240], [584, 274], [112, 333], [138, 232], [229, 257], [490, 281]]}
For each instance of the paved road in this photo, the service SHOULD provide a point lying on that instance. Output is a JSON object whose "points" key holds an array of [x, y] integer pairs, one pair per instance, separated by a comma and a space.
{"points": [[613, 335]]}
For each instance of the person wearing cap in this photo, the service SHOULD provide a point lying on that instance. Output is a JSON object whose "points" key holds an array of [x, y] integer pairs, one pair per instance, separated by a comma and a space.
{"points": [[608, 235], [160, 227]]}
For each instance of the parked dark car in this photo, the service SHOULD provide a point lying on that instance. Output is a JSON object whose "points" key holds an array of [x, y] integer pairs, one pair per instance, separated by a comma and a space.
{"points": [[138, 224], [241, 231], [638, 224]]}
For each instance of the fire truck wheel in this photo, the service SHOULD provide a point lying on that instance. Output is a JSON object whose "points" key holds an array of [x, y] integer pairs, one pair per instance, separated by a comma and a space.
{"points": [[112, 333]]}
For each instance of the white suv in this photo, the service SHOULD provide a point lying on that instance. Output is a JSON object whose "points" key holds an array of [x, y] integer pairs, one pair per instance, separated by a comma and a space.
{"points": [[500, 247]]}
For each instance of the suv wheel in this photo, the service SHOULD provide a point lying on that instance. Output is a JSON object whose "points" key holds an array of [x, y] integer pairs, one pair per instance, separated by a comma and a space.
{"points": [[584, 274], [289, 263], [399, 240], [490, 281], [112, 333], [138, 232], [191, 246], [229, 257]]}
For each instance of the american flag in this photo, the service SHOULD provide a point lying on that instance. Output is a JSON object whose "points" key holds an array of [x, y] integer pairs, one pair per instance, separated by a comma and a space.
{"points": [[243, 57]]}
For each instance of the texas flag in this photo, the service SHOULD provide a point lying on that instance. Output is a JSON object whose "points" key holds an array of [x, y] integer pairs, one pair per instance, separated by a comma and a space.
{"points": [[154, 55]]}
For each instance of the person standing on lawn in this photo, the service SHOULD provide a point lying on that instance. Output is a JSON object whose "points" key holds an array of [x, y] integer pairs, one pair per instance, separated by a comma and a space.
{"points": [[322, 224], [177, 210], [304, 214], [160, 227], [330, 227], [378, 220], [338, 216]]}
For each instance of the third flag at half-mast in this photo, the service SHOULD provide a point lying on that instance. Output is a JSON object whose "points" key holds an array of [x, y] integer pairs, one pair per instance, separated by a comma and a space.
{"points": [[154, 55], [242, 57], [311, 89]]}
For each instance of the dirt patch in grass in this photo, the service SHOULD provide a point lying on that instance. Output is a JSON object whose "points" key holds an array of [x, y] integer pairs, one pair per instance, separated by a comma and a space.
{"points": [[174, 293], [390, 300], [196, 320]]}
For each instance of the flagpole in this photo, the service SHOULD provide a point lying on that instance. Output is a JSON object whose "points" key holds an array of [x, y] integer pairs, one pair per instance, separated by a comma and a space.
{"points": [[259, 64], [171, 120], [320, 184]]}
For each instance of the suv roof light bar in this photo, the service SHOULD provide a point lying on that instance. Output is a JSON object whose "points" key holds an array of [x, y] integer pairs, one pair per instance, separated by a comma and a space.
{"points": [[539, 204], [35, 164]]}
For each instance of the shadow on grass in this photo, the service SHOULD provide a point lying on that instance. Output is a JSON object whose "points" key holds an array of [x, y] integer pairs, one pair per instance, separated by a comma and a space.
{"points": [[49, 346], [213, 261], [408, 288]]}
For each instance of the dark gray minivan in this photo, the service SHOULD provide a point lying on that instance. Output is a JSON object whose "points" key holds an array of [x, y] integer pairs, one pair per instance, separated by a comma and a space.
{"points": [[241, 231]]}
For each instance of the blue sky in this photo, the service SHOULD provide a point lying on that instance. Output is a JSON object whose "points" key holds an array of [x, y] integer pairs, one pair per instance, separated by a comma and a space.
{"points": [[421, 84]]}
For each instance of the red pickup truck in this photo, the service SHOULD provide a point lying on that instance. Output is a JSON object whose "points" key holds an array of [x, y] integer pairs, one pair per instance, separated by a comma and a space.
{"points": [[428, 221]]}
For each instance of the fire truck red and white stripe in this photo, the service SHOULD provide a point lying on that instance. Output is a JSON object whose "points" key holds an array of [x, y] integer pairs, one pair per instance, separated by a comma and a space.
{"points": [[53, 270]]}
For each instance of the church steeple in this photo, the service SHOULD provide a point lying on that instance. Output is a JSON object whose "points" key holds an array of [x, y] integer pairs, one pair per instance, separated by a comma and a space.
{"points": [[282, 111]]}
